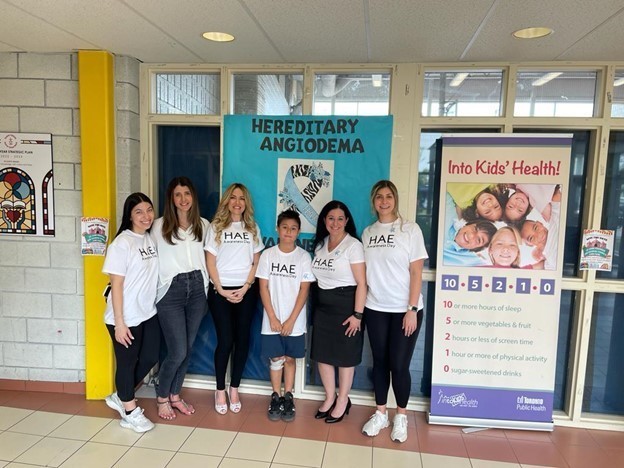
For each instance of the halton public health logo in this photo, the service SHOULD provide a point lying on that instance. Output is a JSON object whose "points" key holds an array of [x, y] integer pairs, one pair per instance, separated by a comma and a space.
{"points": [[459, 399]]}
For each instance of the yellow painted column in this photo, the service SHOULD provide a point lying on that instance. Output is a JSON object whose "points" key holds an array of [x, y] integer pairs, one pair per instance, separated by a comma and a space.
{"points": [[97, 140]]}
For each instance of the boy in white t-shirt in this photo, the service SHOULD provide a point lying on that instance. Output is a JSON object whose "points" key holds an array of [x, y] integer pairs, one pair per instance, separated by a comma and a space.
{"points": [[285, 274]]}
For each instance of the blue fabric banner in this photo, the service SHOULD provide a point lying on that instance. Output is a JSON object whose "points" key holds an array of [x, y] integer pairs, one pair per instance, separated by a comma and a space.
{"points": [[302, 162]]}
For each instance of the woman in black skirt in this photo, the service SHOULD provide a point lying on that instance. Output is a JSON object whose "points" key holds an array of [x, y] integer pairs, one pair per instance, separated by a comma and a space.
{"points": [[337, 326]]}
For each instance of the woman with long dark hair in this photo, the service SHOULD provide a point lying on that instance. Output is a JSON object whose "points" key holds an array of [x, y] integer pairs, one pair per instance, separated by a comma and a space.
{"points": [[130, 316], [233, 249], [182, 283], [337, 337]]}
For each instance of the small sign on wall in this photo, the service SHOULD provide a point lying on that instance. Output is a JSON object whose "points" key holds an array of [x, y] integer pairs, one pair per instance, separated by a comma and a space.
{"points": [[597, 250], [26, 184], [94, 236]]}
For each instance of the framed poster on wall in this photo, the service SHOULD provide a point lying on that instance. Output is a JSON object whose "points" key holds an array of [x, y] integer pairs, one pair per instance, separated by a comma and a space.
{"points": [[26, 184]]}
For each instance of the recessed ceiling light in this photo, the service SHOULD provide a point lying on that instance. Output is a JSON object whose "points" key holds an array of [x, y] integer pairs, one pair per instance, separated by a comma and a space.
{"points": [[218, 36], [532, 33]]}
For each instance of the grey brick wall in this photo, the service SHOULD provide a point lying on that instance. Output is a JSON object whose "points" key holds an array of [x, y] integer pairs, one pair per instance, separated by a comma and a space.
{"points": [[39, 93], [128, 132], [41, 279]]}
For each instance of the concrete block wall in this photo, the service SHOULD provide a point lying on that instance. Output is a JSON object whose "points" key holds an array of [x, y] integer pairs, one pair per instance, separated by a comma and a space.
{"points": [[41, 278], [41, 290], [128, 150]]}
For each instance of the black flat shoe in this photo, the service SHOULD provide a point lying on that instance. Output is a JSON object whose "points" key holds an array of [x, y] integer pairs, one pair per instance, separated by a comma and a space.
{"points": [[323, 414], [331, 420]]}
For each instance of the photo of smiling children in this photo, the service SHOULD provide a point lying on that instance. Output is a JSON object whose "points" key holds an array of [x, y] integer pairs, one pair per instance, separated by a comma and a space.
{"points": [[529, 215]]}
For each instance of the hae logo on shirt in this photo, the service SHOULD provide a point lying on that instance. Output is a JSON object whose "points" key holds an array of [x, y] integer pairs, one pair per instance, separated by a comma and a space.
{"points": [[148, 253], [323, 263], [236, 238], [381, 241], [282, 269]]}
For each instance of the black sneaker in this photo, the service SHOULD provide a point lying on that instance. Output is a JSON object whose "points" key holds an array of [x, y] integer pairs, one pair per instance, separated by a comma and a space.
{"points": [[288, 411], [275, 407]]}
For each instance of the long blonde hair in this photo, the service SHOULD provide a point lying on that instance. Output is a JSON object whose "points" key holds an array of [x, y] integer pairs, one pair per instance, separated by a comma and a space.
{"points": [[223, 219]]}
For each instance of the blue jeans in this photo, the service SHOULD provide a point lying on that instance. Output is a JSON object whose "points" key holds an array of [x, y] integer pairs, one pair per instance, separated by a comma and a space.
{"points": [[180, 313]]}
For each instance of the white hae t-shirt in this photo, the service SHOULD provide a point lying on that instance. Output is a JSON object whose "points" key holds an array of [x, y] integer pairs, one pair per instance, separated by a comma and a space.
{"points": [[285, 272], [185, 255], [234, 254], [389, 248], [333, 269], [134, 257]]}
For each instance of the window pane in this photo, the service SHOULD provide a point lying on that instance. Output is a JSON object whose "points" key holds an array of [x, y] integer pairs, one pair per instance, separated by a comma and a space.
{"points": [[428, 189], [198, 94], [361, 94], [555, 94], [576, 196], [566, 314], [268, 94], [617, 107], [613, 208], [604, 381], [462, 93]]}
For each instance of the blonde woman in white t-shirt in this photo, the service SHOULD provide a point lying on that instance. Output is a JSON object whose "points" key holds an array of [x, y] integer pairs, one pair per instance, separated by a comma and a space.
{"points": [[395, 253], [337, 337], [130, 316], [182, 282], [233, 249]]}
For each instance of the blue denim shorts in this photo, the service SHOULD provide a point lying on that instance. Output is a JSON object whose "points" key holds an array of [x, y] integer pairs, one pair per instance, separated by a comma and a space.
{"points": [[278, 345]]}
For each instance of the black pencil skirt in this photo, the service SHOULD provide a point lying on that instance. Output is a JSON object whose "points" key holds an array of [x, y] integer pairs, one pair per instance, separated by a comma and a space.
{"points": [[330, 345]]}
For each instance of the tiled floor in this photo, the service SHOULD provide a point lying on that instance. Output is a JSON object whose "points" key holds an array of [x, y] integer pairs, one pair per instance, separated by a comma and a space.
{"points": [[54, 429]]}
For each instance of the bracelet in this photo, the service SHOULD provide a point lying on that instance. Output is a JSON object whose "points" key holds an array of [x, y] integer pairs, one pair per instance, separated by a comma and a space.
{"points": [[249, 283], [358, 315]]}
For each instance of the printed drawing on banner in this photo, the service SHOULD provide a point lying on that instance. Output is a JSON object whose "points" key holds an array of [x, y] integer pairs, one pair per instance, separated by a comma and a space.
{"points": [[305, 185], [459, 399]]}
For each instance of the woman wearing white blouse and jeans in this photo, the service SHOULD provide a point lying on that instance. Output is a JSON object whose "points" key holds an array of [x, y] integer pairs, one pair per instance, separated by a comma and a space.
{"points": [[182, 282]]}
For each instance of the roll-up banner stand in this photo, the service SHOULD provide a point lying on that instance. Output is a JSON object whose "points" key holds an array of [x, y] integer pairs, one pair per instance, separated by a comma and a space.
{"points": [[503, 202]]}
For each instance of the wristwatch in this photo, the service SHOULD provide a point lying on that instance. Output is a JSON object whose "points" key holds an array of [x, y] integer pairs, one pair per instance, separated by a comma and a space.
{"points": [[413, 308], [358, 315]]}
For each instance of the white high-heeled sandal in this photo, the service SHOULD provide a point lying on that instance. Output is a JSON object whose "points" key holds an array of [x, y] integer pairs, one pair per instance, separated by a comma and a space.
{"points": [[234, 407], [220, 408]]}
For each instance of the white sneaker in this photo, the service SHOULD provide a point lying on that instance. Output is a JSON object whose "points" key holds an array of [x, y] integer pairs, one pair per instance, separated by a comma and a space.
{"points": [[376, 423], [113, 402], [399, 428], [136, 421]]}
